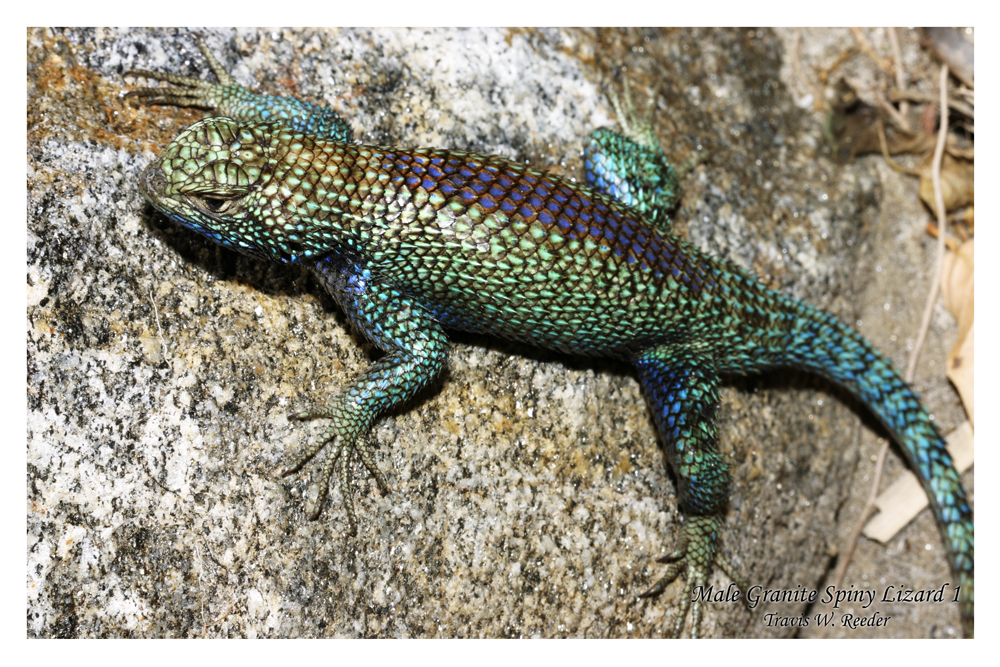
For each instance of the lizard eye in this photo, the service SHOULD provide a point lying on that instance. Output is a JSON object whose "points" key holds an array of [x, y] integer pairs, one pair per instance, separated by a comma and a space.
{"points": [[216, 205]]}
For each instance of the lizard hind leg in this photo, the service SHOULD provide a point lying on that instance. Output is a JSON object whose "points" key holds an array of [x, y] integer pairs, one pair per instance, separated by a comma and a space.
{"points": [[681, 385]]}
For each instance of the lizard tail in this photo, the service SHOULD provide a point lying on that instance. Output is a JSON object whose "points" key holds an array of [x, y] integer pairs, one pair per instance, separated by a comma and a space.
{"points": [[821, 344]]}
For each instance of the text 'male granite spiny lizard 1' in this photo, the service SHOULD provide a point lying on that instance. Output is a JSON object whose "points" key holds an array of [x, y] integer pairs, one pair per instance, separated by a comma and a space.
{"points": [[412, 243]]}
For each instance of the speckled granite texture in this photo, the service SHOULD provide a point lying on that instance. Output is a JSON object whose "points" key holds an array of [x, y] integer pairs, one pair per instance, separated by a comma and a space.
{"points": [[530, 497]]}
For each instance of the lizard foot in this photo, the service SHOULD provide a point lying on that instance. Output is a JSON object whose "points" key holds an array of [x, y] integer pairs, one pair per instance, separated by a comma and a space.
{"points": [[338, 457], [638, 128], [229, 98], [697, 551], [187, 91]]}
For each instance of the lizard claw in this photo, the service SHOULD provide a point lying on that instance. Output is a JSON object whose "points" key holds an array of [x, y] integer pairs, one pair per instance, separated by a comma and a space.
{"points": [[696, 553], [187, 91], [337, 459], [637, 128], [640, 127]]}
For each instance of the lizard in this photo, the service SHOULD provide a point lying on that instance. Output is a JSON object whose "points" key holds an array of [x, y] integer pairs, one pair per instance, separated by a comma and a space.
{"points": [[412, 243]]}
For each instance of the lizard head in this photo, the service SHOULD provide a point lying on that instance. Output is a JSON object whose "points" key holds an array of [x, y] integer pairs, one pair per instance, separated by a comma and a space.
{"points": [[214, 179]]}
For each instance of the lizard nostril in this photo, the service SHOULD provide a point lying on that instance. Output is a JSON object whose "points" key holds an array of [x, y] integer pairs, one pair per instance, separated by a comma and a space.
{"points": [[153, 183]]}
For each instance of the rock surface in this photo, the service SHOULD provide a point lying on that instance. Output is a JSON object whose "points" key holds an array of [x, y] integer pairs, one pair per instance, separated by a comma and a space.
{"points": [[529, 493]]}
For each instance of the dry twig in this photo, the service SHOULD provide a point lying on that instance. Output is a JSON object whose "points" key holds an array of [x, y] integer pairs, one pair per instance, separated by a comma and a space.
{"points": [[897, 57], [888, 158], [942, 227], [902, 94], [869, 50]]}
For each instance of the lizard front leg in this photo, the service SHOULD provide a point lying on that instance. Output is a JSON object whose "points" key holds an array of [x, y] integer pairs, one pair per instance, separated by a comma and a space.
{"points": [[416, 348], [230, 99]]}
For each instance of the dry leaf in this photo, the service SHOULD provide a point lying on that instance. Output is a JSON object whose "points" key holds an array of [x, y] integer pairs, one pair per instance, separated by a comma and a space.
{"points": [[852, 129], [958, 286], [958, 290], [957, 182], [953, 48]]}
